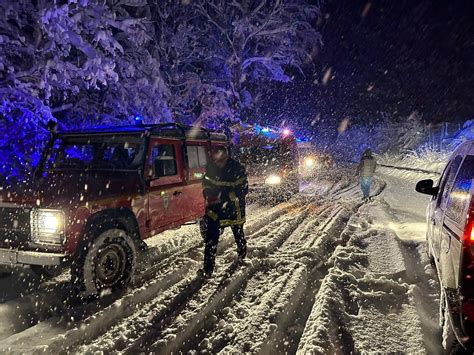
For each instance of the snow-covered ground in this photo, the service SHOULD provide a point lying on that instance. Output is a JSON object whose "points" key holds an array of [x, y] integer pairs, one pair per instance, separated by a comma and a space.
{"points": [[380, 293], [325, 274]]}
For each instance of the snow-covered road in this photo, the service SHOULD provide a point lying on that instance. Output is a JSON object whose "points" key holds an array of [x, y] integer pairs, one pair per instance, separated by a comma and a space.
{"points": [[325, 274]]}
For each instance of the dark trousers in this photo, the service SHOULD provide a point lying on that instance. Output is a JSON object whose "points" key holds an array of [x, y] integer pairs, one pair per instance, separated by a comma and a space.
{"points": [[211, 232]]}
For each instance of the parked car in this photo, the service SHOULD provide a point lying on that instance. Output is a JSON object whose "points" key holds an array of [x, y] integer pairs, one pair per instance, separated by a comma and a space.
{"points": [[98, 193], [450, 244]]}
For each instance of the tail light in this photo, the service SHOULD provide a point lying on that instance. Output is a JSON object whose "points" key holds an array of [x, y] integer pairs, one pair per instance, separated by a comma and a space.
{"points": [[469, 232], [467, 271], [469, 228]]}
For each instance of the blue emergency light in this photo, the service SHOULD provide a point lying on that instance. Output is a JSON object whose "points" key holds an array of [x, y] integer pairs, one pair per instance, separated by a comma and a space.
{"points": [[139, 120]]}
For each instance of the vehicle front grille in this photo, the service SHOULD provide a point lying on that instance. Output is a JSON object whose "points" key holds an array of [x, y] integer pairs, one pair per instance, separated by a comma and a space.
{"points": [[14, 226]]}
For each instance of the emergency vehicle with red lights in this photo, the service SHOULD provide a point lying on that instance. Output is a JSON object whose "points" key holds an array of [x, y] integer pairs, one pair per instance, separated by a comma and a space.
{"points": [[270, 156]]}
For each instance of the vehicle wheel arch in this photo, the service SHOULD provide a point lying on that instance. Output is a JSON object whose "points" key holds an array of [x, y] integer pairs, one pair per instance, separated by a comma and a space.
{"points": [[120, 218]]}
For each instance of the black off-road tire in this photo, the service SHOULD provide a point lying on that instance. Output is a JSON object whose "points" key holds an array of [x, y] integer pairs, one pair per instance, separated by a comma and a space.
{"points": [[107, 263]]}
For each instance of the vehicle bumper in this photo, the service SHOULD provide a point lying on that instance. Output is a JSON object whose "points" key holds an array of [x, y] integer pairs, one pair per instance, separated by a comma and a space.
{"points": [[10, 257]]}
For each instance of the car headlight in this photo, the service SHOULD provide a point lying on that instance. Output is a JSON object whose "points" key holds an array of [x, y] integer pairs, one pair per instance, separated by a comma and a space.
{"points": [[47, 226], [309, 162], [273, 180]]}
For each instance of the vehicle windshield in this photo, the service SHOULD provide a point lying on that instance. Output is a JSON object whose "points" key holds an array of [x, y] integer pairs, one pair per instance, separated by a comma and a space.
{"points": [[78, 153]]}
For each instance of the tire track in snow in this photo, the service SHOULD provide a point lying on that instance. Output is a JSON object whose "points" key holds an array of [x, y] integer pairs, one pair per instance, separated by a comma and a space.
{"points": [[375, 296], [287, 335], [219, 299], [45, 336], [283, 305], [267, 297]]}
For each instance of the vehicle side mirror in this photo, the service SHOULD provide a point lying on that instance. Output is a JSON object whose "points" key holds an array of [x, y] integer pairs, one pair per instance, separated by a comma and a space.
{"points": [[426, 187]]}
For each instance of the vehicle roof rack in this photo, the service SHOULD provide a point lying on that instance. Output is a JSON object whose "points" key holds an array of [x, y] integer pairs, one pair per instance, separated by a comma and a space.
{"points": [[189, 132], [159, 129]]}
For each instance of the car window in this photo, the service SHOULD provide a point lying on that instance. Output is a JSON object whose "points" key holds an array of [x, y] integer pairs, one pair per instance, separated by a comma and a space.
{"points": [[202, 155], [197, 157], [460, 195], [193, 158], [99, 153], [163, 160], [448, 180]]}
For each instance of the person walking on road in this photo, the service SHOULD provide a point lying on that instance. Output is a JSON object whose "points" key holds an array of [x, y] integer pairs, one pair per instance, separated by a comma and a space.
{"points": [[225, 187], [366, 172]]}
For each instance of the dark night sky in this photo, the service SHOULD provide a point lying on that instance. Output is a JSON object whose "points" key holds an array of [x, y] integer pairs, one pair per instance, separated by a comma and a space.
{"points": [[415, 54]]}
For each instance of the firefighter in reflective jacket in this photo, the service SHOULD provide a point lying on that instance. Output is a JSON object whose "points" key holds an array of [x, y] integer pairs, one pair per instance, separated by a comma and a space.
{"points": [[225, 187]]}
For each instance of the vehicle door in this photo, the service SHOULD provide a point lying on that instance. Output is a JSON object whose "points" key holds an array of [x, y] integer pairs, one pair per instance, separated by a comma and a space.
{"points": [[197, 153], [165, 178], [445, 186], [454, 223]]}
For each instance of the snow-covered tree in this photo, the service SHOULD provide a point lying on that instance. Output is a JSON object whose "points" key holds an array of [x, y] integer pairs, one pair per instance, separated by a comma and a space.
{"points": [[249, 42], [110, 50], [85, 61], [212, 53]]}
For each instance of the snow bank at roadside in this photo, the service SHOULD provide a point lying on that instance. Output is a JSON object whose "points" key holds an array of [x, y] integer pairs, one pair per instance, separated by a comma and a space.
{"points": [[407, 175], [429, 160], [424, 158], [370, 299]]}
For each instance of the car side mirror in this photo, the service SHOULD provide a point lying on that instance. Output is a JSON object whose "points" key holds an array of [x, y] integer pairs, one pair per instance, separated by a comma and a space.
{"points": [[426, 187]]}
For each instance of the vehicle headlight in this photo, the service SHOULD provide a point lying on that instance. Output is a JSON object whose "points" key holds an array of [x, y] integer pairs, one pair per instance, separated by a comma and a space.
{"points": [[47, 226], [273, 180], [309, 162]]}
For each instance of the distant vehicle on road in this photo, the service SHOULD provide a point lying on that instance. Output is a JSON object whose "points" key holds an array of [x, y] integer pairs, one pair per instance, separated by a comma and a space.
{"points": [[271, 160], [98, 193], [450, 245], [312, 161]]}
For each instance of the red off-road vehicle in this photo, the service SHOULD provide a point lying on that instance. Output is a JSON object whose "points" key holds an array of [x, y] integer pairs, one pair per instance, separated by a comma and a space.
{"points": [[98, 193]]}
